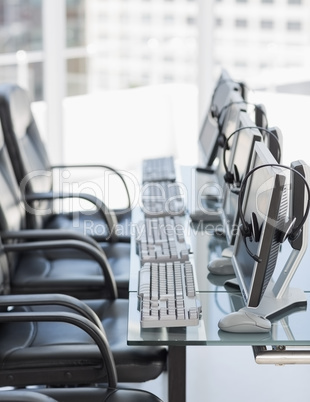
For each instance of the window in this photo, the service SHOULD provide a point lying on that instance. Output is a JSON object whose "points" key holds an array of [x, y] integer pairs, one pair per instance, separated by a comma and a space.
{"points": [[124, 17], [146, 18], [240, 63], [168, 58], [21, 44], [267, 1], [21, 25], [293, 25], [76, 23], [168, 19], [241, 23], [297, 2], [168, 78], [267, 24], [76, 71], [191, 21]]}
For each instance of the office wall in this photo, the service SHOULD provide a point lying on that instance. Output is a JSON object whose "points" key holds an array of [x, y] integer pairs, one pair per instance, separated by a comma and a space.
{"points": [[122, 127]]}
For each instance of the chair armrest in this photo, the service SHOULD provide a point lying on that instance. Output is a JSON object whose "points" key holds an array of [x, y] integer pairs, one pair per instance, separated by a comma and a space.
{"points": [[48, 234], [52, 299], [96, 254], [98, 166], [71, 318], [108, 214]]}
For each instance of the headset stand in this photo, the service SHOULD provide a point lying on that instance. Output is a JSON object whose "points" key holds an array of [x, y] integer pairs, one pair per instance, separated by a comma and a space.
{"points": [[279, 297]]}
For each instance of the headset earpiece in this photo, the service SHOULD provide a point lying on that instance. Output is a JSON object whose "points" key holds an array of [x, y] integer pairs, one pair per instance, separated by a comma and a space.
{"points": [[221, 140], [252, 229], [245, 229], [214, 111], [237, 176], [233, 178], [255, 228], [286, 232], [229, 178], [294, 236]]}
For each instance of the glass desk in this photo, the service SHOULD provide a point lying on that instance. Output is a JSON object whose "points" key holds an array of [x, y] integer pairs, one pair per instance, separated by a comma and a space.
{"points": [[288, 331]]}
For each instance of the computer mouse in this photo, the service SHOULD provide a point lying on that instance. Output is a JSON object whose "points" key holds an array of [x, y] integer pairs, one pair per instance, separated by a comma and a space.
{"points": [[243, 321], [221, 266]]}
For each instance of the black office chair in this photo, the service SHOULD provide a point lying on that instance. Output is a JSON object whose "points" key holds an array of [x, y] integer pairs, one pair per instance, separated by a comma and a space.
{"points": [[81, 269], [33, 168], [85, 394], [49, 266], [54, 339], [29, 265]]}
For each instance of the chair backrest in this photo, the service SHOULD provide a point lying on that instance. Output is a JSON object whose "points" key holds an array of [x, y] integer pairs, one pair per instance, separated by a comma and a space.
{"points": [[12, 211], [5, 284], [27, 151], [12, 207]]}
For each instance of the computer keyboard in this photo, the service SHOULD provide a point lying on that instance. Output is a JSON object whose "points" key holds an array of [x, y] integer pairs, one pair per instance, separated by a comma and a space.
{"points": [[158, 169], [161, 239], [167, 295], [162, 198], [166, 288]]}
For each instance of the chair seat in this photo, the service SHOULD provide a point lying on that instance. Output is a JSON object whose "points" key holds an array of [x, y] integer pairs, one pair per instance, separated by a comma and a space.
{"points": [[57, 350], [71, 272], [92, 225], [24, 396], [101, 395], [88, 394]]}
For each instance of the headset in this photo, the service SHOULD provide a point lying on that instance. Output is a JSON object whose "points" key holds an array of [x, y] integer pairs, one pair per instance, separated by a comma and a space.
{"points": [[214, 111], [221, 137], [252, 230], [230, 177]]}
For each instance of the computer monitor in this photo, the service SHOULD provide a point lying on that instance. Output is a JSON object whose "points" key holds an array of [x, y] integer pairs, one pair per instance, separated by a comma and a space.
{"points": [[208, 136], [242, 148], [212, 199], [260, 116], [230, 121], [271, 194], [274, 142], [265, 197]]}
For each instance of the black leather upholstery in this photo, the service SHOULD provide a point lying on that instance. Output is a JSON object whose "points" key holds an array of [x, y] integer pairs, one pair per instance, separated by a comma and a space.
{"points": [[86, 394], [68, 272], [33, 353], [24, 396], [37, 346], [102, 395], [29, 155]]}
